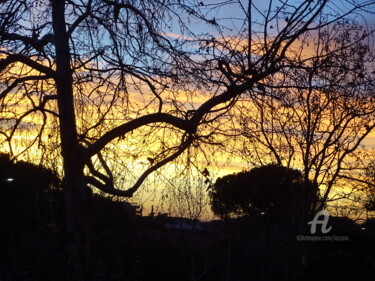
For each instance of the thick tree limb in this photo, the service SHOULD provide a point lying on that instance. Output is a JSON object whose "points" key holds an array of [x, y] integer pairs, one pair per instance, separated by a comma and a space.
{"points": [[37, 44], [137, 123], [13, 58]]}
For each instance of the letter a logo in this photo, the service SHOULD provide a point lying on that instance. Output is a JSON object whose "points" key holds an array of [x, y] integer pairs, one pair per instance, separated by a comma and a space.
{"points": [[323, 222]]}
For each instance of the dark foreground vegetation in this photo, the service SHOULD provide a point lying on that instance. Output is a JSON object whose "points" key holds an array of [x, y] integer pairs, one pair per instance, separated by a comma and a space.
{"points": [[125, 246]]}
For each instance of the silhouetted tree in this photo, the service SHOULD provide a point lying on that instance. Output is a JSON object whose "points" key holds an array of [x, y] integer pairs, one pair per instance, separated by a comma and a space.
{"points": [[111, 80], [318, 114], [26, 175], [272, 190], [24, 188]]}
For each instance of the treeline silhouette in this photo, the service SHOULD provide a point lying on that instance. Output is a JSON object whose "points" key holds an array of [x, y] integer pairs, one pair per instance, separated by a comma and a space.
{"points": [[257, 246]]}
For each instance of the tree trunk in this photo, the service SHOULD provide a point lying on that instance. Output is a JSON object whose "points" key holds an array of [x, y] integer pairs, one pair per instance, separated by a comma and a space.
{"points": [[76, 192]]}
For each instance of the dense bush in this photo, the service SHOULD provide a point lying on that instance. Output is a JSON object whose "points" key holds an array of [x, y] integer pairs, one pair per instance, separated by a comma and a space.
{"points": [[270, 189]]}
